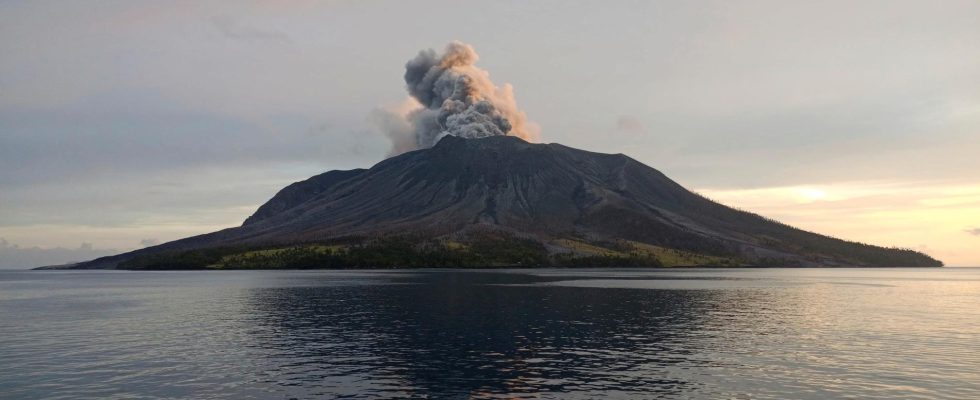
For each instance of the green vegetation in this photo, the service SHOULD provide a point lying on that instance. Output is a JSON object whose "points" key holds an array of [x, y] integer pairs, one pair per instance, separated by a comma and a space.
{"points": [[472, 250], [591, 250], [190, 259], [677, 258], [484, 249], [632, 253]]}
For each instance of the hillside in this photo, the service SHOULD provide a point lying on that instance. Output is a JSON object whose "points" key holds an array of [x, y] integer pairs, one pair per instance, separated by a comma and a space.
{"points": [[501, 201]]}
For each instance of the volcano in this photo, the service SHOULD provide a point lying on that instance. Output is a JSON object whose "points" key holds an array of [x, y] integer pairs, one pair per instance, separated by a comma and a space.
{"points": [[501, 201]]}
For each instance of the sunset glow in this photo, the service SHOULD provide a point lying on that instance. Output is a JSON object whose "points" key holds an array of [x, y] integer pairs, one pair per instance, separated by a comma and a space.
{"points": [[932, 218]]}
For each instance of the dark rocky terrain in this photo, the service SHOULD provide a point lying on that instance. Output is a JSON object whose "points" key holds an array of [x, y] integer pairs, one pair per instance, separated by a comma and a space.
{"points": [[555, 204]]}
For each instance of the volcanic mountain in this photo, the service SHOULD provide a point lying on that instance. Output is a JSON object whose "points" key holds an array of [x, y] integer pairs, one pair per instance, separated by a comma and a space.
{"points": [[501, 201]]}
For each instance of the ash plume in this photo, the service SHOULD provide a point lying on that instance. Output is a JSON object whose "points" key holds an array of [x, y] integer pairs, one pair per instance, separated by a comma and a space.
{"points": [[450, 95]]}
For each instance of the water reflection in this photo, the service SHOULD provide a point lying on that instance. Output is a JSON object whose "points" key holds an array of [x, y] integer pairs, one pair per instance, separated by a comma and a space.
{"points": [[773, 334], [459, 334]]}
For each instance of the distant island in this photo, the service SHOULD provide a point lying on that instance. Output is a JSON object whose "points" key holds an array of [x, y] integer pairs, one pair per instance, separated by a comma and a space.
{"points": [[500, 201]]}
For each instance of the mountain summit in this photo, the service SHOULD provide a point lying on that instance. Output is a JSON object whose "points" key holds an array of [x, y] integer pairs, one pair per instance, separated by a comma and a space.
{"points": [[501, 201]]}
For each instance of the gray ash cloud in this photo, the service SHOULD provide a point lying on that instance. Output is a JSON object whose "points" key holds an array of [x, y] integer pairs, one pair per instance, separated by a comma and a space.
{"points": [[450, 95]]}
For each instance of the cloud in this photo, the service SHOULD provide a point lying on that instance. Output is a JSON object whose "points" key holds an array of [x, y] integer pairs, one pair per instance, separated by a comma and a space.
{"points": [[149, 242], [144, 130], [393, 122], [973, 231], [452, 96], [726, 101], [14, 256]]}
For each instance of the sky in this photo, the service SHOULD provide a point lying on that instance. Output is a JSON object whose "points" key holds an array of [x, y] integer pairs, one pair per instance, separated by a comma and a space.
{"points": [[125, 124]]}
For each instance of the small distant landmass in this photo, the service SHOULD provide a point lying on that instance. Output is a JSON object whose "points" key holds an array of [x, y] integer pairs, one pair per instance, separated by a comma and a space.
{"points": [[500, 201], [14, 256]]}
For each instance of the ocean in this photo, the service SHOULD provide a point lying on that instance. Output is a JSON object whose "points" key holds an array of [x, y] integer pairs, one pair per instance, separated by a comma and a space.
{"points": [[454, 334]]}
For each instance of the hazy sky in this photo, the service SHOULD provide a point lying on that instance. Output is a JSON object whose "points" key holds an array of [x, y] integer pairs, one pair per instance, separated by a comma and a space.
{"points": [[124, 124]]}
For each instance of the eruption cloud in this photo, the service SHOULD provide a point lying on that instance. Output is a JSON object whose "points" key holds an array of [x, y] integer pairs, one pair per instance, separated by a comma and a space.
{"points": [[451, 96]]}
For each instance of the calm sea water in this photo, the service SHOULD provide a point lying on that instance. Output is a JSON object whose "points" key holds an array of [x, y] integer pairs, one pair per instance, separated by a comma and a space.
{"points": [[709, 333]]}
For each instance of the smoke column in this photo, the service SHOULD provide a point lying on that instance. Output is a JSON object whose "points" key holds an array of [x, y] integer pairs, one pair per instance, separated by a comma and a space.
{"points": [[451, 96]]}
